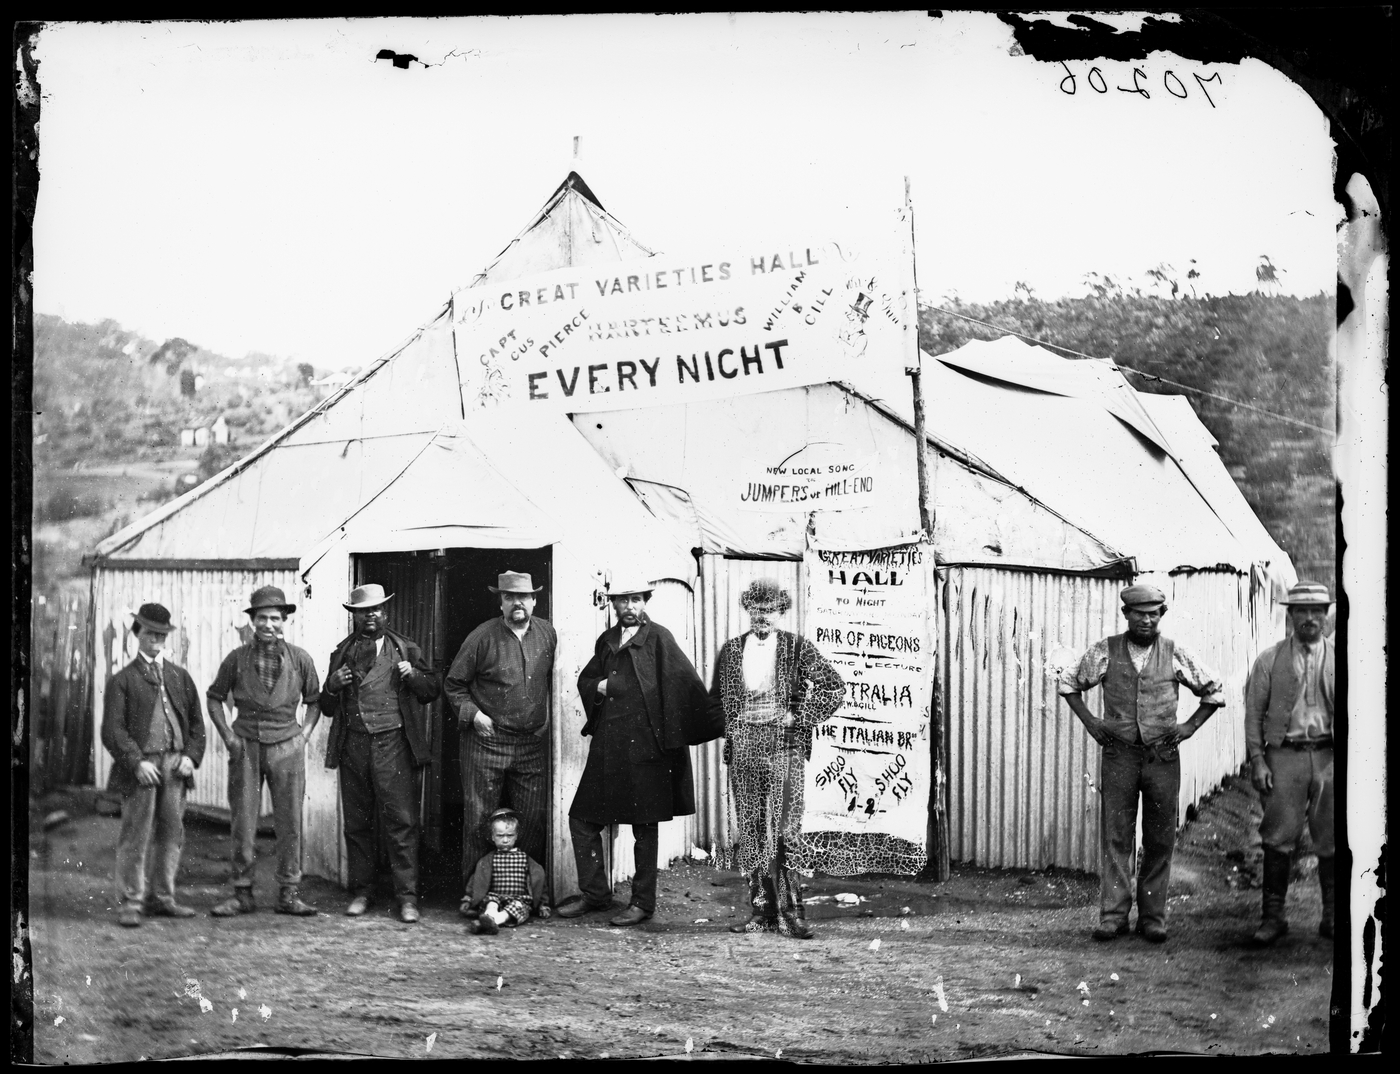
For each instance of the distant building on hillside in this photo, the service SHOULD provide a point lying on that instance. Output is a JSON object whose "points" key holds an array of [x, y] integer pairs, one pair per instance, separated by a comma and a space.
{"points": [[219, 430]]}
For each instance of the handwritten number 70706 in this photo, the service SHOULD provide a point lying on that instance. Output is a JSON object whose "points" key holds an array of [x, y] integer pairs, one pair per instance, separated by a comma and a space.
{"points": [[1171, 82]]}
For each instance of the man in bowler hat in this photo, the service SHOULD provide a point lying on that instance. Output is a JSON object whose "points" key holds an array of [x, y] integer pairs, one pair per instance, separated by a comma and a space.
{"points": [[1288, 709], [375, 691], [268, 680], [152, 727], [1141, 671], [499, 686]]}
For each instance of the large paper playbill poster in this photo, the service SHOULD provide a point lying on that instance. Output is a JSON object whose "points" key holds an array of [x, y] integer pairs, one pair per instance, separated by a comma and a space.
{"points": [[867, 784]]}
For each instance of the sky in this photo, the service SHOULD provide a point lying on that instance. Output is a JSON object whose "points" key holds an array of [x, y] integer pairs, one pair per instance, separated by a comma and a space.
{"points": [[272, 187]]}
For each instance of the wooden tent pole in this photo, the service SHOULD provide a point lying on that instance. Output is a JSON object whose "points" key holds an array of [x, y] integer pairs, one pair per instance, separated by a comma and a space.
{"points": [[938, 863]]}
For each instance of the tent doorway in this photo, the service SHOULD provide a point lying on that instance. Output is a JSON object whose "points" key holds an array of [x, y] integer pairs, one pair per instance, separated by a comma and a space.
{"points": [[441, 596]]}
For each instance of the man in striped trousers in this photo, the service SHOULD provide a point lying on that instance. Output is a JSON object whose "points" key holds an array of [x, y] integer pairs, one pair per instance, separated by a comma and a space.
{"points": [[499, 685]]}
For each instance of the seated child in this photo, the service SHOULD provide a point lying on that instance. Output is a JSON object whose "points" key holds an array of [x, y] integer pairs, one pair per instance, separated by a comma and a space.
{"points": [[507, 883]]}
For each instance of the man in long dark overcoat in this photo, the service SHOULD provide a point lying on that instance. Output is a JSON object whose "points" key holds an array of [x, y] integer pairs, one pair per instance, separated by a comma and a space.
{"points": [[154, 730], [375, 691], [639, 692]]}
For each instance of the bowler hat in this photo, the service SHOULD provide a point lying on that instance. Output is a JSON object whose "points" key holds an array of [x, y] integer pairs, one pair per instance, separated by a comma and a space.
{"points": [[504, 813], [154, 618], [269, 596], [629, 585], [364, 597], [1314, 593], [1143, 596], [513, 582]]}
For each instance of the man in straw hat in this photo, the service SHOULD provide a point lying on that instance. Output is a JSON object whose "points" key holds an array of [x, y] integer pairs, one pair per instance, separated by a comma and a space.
{"points": [[640, 693], [1141, 671], [499, 685], [1288, 707], [268, 680], [376, 687], [152, 727]]}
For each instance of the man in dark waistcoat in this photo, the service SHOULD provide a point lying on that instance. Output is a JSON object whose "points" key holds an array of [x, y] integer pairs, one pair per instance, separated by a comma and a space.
{"points": [[1140, 671], [375, 691], [267, 680], [152, 727], [1288, 709], [499, 686], [639, 692]]}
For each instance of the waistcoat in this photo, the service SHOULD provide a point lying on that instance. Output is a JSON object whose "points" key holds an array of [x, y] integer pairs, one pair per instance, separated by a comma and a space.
{"points": [[1140, 705]]}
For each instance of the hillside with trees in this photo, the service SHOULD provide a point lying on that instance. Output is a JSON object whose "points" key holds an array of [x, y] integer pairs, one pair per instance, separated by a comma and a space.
{"points": [[1235, 357], [123, 423]]}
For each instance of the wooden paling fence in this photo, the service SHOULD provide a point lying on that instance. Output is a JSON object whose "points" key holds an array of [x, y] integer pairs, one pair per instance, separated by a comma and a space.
{"points": [[60, 734]]}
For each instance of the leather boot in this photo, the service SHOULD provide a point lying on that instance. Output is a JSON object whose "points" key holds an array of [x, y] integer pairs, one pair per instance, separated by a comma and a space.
{"points": [[289, 902], [1274, 924], [1327, 879], [241, 903]]}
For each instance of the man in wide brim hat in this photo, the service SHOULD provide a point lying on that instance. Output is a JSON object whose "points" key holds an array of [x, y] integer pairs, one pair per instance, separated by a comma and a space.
{"points": [[267, 680], [377, 684], [499, 688], [1289, 704]]}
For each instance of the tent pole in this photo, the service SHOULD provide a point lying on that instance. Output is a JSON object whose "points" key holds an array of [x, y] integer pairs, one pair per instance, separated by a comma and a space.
{"points": [[938, 864]]}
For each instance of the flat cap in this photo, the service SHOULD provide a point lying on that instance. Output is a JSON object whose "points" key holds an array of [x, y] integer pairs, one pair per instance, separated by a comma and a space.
{"points": [[1143, 596]]}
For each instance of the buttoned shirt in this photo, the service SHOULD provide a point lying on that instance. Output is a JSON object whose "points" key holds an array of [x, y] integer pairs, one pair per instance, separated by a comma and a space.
{"points": [[164, 733], [1092, 669], [267, 661], [760, 661], [505, 676], [1310, 718]]}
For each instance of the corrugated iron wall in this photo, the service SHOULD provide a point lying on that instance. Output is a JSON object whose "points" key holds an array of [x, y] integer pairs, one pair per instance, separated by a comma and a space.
{"points": [[1020, 767], [1022, 772], [206, 607], [719, 618]]}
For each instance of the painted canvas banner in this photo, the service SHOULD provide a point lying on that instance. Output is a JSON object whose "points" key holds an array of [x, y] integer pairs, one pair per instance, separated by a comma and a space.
{"points": [[867, 784], [676, 329]]}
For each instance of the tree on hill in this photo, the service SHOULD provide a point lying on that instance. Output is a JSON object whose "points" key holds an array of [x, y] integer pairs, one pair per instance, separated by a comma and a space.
{"points": [[1261, 353]]}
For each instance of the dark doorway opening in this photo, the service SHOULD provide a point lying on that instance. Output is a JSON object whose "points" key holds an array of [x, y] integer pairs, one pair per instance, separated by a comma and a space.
{"points": [[441, 596]]}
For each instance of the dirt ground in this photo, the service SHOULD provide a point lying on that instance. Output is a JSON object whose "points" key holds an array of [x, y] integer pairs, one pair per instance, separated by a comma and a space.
{"points": [[991, 963]]}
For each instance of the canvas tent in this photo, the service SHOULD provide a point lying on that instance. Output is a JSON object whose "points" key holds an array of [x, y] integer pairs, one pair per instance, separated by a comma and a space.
{"points": [[1046, 473], [1054, 484]]}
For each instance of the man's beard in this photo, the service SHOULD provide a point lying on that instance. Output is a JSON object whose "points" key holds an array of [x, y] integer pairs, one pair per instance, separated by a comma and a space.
{"points": [[371, 628]]}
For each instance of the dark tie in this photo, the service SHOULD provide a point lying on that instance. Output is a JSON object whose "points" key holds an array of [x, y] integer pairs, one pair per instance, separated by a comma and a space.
{"points": [[364, 656]]}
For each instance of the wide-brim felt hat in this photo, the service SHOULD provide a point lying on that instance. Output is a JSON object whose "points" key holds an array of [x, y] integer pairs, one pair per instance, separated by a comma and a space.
{"points": [[1308, 593], [630, 584], [154, 618], [514, 582], [364, 597], [269, 596]]}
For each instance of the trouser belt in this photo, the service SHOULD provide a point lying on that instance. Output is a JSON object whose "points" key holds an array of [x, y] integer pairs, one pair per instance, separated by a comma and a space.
{"points": [[1307, 743]]}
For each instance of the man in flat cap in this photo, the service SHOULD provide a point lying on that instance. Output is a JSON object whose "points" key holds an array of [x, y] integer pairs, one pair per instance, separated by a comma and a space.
{"points": [[499, 686], [641, 693], [1288, 708], [152, 727], [376, 687], [268, 680], [1141, 671]]}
